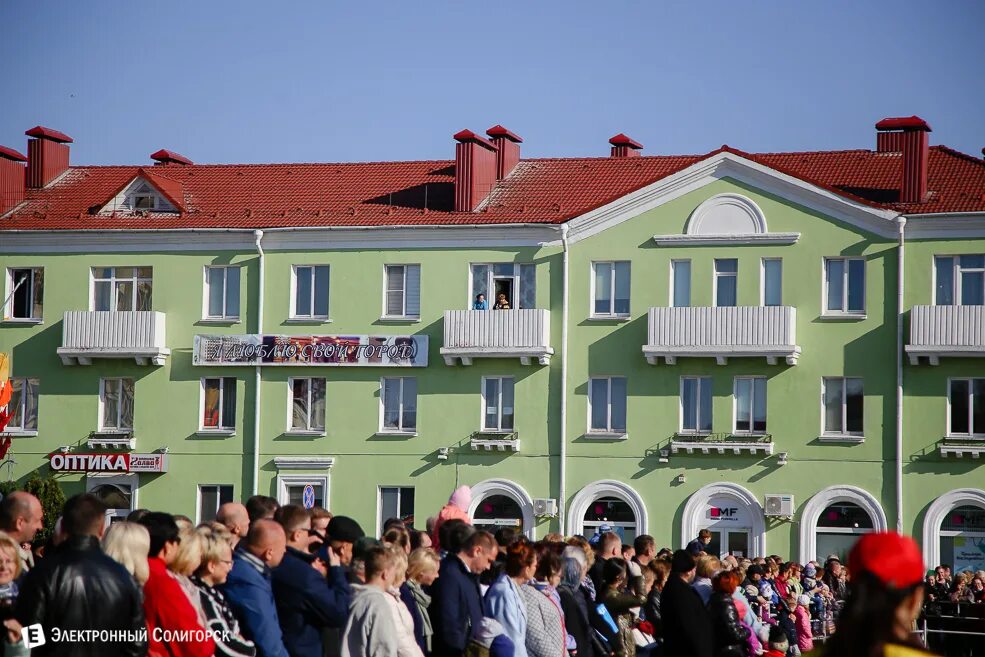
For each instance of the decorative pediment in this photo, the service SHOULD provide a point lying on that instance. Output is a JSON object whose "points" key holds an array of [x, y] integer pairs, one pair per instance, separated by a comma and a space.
{"points": [[147, 192]]}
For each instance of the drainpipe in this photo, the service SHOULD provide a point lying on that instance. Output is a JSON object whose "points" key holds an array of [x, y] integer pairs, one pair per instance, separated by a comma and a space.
{"points": [[258, 234], [562, 470], [900, 223]]}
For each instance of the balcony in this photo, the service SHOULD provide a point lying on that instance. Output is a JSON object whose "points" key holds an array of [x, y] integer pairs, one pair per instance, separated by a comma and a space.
{"points": [[495, 442], [948, 331], [100, 334], [721, 333], [523, 334]]}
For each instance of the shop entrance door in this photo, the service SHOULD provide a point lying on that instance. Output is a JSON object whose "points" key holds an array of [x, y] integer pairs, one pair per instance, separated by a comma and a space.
{"points": [[117, 492], [734, 541]]}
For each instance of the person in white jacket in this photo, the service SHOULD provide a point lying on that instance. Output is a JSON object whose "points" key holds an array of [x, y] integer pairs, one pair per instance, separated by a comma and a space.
{"points": [[370, 630], [402, 620]]}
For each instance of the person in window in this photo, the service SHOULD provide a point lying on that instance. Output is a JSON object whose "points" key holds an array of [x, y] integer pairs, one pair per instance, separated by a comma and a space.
{"points": [[502, 303], [480, 302]]}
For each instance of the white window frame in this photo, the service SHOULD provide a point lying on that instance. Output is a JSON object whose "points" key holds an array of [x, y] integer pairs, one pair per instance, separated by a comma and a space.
{"points": [[222, 428], [762, 280], [8, 309], [844, 407], [400, 409], [198, 498], [114, 279], [971, 408], [286, 480], [386, 279], [142, 189], [290, 407], [379, 504], [611, 264], [752, 405], [20, 431], [119, 407], [716, 275], [673, 282], [294, 296], [499, 405], [680, 404], [956, 276], [609, 430], [845, 288], [96, 479], [225, 316]]}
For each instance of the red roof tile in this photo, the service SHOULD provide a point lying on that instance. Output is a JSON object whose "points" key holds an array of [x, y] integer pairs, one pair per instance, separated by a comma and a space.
{"points": [[421, 193]]}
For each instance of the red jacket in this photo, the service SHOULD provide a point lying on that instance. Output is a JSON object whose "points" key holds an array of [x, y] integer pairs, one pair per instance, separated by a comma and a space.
{"points": [[168, 610]]}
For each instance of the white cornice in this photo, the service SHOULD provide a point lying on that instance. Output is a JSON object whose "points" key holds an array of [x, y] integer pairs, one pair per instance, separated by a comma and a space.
{"points": [[304, 462], [729, 165], [744, 239], [280, 239], [956, 225]]}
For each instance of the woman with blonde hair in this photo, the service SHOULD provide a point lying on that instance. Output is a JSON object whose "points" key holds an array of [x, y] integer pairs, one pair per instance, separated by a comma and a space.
{"points": [[187, 560], [217, 561], [403, 622], [128, 544], [10, 570], [422, 570]]}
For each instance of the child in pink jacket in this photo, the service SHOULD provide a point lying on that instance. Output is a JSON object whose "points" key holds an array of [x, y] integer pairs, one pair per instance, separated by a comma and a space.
{"points": [[801, 605]]}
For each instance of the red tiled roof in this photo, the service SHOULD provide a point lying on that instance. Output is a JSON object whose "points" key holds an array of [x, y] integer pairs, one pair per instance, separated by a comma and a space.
{"points": [[421, 193]]}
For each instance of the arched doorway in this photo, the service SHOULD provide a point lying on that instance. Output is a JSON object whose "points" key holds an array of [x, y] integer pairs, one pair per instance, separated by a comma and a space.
{"points": [[117, 492], [954, 530], [732, 514], [834, 518], [502, 503], [607, 502]]}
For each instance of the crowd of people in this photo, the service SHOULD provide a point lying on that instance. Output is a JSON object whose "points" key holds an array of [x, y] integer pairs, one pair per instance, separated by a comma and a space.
{"points": [[284, 581]]}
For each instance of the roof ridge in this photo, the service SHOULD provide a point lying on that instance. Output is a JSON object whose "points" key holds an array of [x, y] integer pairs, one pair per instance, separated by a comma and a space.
{"points": [[956, 153], [218, 165]]}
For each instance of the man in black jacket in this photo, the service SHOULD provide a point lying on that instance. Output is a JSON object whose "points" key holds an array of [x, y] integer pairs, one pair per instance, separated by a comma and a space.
{"points": [[456, 603], [687, 626], [80, 588]]}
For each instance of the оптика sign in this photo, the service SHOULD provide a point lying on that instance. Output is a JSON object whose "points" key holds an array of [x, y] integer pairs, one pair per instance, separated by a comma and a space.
{"points": [[328, 350], [108, 462]]}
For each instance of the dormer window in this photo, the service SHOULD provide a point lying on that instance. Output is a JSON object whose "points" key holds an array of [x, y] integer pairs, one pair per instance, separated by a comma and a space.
{"points": [[144, 197], [145, 193]]}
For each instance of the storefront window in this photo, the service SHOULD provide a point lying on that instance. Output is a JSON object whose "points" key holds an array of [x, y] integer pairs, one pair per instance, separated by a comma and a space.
{"points": [[610, 511], [963, 539], [498, 511], [839, 526]]}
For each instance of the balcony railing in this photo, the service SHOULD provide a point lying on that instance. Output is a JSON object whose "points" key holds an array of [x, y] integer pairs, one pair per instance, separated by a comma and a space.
{"points": [[937, 331], [100, 334], [722, 333], [523, 334]]}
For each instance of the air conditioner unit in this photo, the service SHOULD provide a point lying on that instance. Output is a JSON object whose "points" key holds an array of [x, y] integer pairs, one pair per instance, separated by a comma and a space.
{"points": [[779, 506], [545, 507]]}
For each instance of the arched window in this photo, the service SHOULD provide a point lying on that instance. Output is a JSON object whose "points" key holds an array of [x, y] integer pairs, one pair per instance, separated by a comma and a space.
{"points": [[839, 526], [498, 511], [615, 513], [963, 539], [502, 503]]}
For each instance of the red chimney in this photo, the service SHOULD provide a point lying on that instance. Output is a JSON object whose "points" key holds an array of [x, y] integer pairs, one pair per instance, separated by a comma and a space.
{"points": [[47, 155], [508, 154], [475, 170], [908, 135], [165, 157], [11, 178], [623, 146]]}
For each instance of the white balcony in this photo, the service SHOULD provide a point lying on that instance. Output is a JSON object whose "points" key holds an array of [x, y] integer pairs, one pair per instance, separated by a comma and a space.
{"points": [[523, 334], [952, 331], [99, 334], [721, 333]]}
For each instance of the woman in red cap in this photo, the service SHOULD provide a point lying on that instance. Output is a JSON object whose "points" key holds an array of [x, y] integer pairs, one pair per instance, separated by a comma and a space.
{"points": [[885, 597]]}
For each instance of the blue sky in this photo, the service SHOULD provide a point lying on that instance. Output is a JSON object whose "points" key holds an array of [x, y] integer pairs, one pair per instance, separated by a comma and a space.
{"points": [[330, 81]]}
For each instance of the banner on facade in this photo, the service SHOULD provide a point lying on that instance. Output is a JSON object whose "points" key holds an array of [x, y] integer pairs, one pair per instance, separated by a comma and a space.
{"points": [[329, 350], [969, 554], [108, 462]]}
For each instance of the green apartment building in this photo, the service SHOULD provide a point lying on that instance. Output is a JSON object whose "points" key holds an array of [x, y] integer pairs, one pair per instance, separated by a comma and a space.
{"points": [[785, 348]]}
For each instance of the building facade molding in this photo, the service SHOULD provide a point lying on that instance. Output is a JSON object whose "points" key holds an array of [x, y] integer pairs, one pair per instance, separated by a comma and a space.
{"points": [[605, 488], [825, 498], [935, 514]]}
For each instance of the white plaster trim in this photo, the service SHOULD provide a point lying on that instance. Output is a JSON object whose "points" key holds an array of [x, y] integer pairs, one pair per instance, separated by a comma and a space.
{"points": [[935, 516], [605, 488], [693, 519], [735, 239], [949, 225], [727, 165], [304, 462], [495, 444], [825, 498], [960, 451], [720, 447], [721, 353], [279, 239], [708, 207], [512, 490]]}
